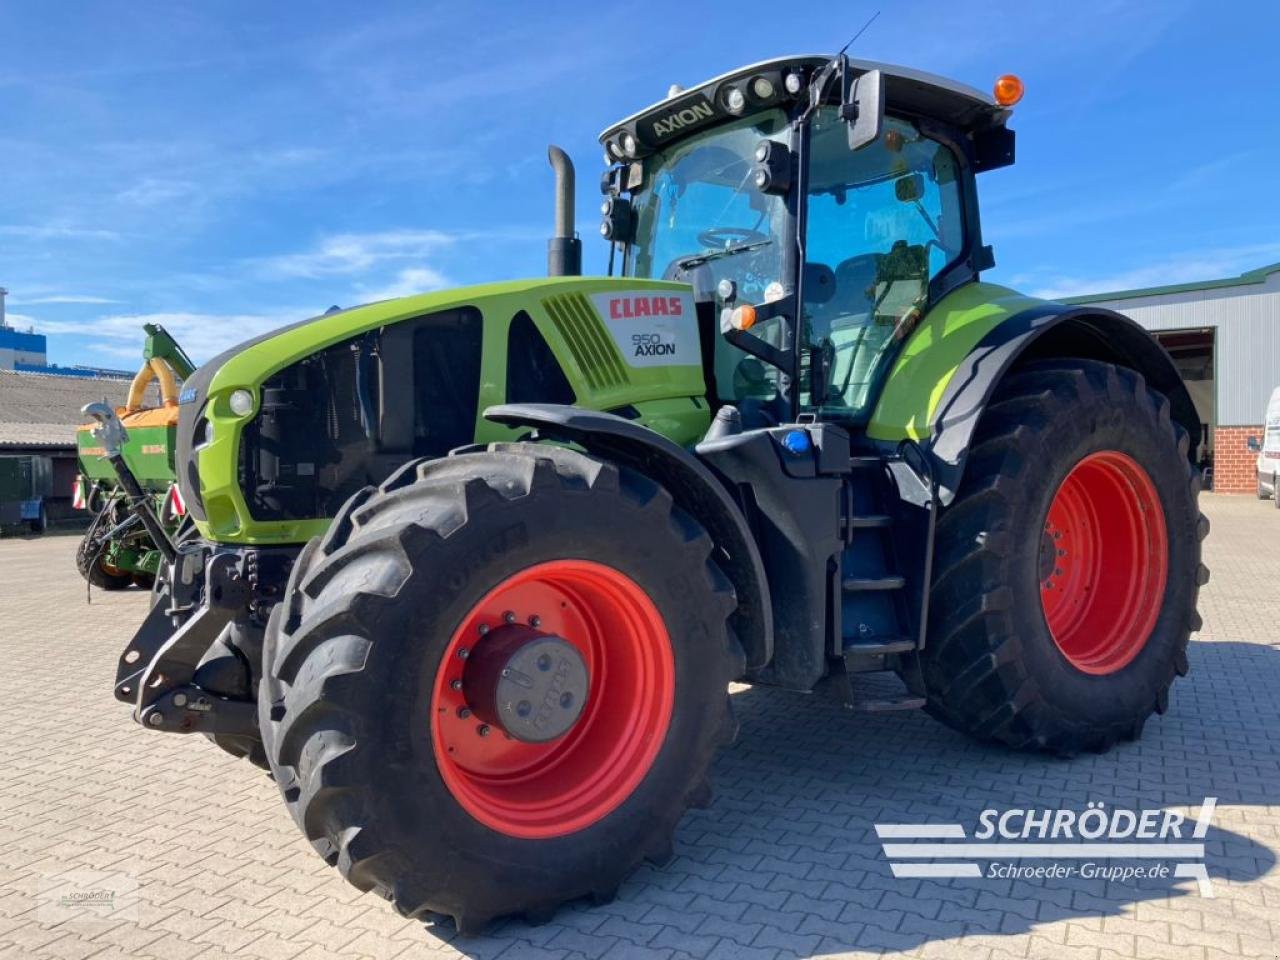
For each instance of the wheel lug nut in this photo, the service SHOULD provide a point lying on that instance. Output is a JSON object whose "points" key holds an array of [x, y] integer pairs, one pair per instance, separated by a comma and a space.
{"points": [[463, 653], [482, 629], [464, 712], [483, 729], [509, 617], [455, 685], [535, 621]]}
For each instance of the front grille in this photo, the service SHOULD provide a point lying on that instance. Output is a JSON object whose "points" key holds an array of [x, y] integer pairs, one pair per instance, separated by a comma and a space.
{"points": [[594, 351]]}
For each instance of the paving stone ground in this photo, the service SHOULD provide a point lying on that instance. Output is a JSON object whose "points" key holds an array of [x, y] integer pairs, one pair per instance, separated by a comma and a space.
{"points": [[192, 855]]}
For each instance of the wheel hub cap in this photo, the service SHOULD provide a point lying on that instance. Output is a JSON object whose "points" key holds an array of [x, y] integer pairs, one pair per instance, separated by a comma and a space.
{"points": [[531, 685]]}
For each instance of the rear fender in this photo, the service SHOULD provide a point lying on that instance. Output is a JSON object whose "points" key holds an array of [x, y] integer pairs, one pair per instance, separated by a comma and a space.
{"points": [[694, 488], [951, 366], [1045, 332]]}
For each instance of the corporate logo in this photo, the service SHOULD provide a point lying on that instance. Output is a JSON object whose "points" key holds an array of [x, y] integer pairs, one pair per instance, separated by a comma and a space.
{"points": [[187, 396], [1111, 843], [632, 308]]}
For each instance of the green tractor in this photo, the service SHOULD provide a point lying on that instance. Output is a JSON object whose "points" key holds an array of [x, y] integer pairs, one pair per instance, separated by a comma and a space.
{"points": [[475, 568], [117, 550]]}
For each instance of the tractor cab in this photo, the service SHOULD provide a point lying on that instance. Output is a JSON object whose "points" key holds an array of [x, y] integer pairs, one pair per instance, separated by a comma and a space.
{"points": [[818, 207]]}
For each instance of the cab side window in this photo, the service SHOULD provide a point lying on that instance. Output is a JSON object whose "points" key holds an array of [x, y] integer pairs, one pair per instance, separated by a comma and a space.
{"points": [[883, 222]]}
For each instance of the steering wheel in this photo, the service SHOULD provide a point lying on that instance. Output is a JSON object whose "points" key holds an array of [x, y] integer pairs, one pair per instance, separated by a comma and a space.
{"points": [[717, 238]]}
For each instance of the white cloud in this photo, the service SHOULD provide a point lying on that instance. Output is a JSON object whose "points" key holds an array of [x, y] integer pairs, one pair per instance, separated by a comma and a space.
{"points": [[19, 321], [64, 298], [348, 253], [55, 232], [153, 191], [407, 282], [1185, 268], [202, 335]]}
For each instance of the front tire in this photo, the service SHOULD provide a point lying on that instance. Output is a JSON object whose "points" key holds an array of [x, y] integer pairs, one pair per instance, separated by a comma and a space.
{"points": [[1068, 566], [369, 725]]}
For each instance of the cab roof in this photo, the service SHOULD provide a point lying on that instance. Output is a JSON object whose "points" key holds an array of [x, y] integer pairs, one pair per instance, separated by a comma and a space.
{"points": [[906, 91]]}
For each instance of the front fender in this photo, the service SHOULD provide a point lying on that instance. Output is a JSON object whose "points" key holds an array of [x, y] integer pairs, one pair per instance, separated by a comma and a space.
{"points": [[694, 488]]}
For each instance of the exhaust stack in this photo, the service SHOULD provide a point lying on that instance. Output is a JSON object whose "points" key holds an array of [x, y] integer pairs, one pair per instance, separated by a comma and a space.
{"points": [[564, 250]]}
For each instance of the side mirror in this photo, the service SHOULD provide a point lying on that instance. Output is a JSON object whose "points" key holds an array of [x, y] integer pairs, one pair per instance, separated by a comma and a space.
{"points": [[1254, 445], [863, 108]]}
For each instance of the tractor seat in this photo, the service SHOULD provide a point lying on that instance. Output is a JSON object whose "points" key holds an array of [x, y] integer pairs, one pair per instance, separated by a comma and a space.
{"points": [[856, 282]]}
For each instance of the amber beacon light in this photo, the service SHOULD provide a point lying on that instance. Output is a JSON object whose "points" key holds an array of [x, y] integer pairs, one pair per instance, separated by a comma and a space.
{"points": [[1008, 90]]}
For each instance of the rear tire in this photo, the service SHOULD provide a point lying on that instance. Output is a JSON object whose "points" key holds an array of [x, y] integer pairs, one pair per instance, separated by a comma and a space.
{"points": [[994, 667], [358, 656]]}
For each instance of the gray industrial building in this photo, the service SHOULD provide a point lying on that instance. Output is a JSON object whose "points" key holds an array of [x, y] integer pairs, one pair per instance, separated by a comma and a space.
{"points": [[1225, 337]]}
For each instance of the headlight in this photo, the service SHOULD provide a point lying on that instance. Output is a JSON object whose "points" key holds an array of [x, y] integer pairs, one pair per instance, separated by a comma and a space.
{"points": [[241, 403]]}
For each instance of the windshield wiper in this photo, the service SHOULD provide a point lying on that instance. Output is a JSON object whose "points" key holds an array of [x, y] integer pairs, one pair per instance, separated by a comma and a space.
{"points": [[710, 255]]}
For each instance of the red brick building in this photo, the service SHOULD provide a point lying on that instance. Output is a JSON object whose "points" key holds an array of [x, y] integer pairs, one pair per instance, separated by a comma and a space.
{"points": [[1224, 336]]}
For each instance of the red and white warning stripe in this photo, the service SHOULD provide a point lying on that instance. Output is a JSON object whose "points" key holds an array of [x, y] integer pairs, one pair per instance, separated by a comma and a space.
{"points": [[174, 504]]}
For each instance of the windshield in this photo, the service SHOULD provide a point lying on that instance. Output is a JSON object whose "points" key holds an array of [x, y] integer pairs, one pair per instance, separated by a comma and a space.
{"points": [[698, 204], [698, 207]]}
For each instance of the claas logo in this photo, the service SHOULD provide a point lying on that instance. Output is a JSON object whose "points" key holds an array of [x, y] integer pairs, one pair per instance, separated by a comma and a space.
{"points": [[629, 308]]}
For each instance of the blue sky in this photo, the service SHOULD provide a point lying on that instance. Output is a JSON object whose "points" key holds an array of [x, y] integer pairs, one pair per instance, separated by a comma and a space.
{"points": [[229, 167]]}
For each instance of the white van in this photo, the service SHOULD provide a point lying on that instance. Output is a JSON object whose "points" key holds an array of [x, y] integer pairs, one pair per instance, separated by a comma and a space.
{"points": [[1269, 452]]}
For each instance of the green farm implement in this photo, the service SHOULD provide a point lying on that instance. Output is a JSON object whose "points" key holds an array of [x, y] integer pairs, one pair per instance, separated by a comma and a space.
{"points": [[117, 550]]}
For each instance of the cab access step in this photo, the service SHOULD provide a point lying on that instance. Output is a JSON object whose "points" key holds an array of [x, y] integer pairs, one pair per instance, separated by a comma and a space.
{"points": [[883, 622]]}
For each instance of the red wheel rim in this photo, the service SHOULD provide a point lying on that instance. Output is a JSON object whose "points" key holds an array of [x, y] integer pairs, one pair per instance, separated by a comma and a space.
{"points": [[552, 789], [1104, 560]]}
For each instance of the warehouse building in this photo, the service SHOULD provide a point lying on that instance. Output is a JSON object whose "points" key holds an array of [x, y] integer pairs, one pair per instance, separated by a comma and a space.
{"points": [[39, 414], [1224, 336]]}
